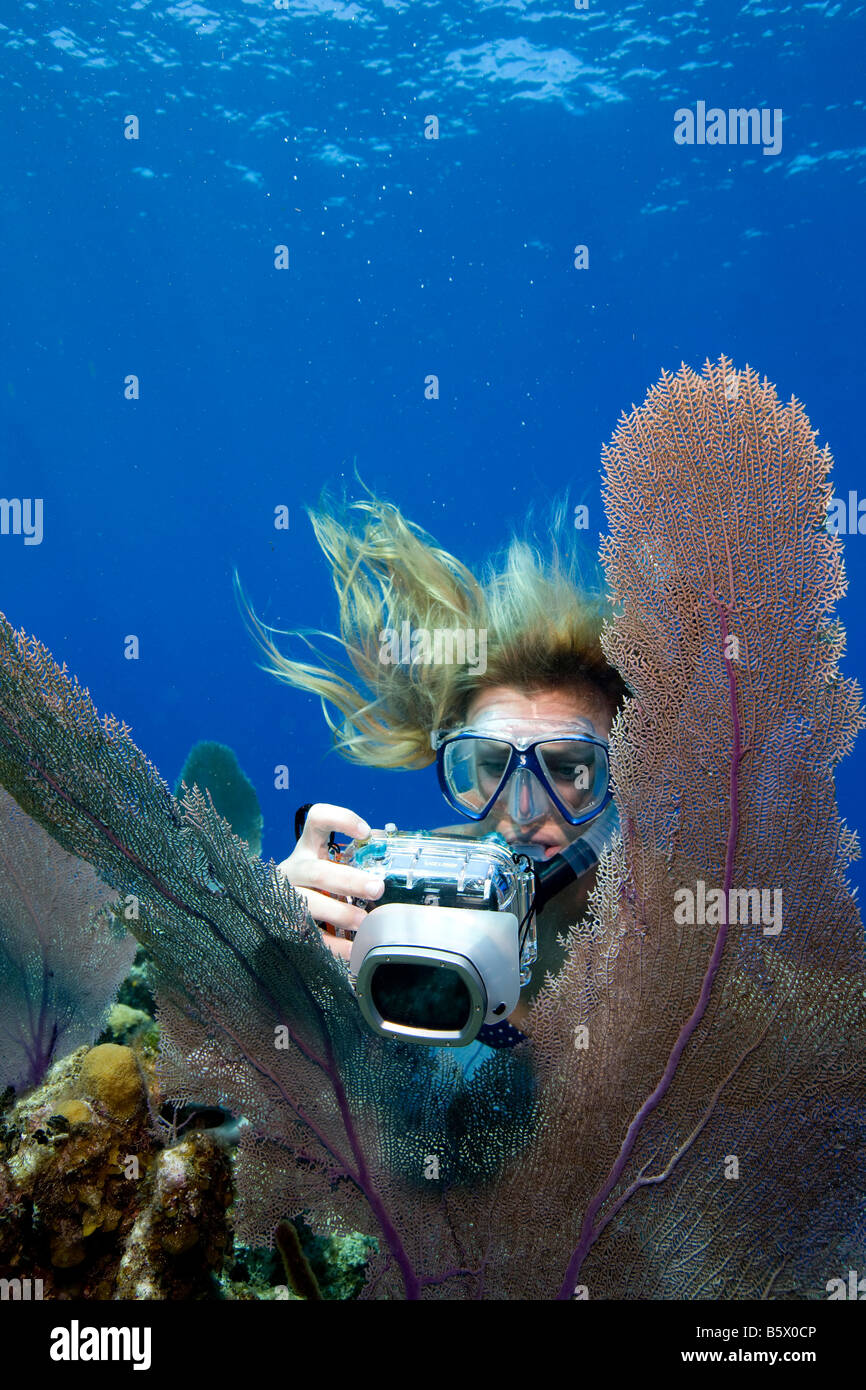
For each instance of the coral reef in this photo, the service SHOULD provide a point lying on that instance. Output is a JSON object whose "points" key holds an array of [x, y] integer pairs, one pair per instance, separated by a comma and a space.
{"points": [[695, 1125], [180, 1235], [62, 953], [91, 1204], [126, 1025], [73, 1167], [136, 989], [214, 769], [338, 1264]]}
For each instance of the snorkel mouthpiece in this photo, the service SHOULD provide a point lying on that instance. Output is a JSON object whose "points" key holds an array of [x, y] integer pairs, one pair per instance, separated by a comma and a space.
{"points": [[532, 851], [577, 858]]}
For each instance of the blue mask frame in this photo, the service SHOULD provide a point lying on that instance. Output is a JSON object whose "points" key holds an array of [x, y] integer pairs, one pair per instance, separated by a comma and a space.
{"points": [[519, 757]]}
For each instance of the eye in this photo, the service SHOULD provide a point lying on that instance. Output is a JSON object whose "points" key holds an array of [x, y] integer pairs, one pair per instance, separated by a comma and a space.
{"points": [[569, 770], [492, 767]]}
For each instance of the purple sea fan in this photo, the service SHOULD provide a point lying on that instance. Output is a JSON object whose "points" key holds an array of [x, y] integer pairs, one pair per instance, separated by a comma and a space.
{"points": [[61, 958], [256, 1014]]}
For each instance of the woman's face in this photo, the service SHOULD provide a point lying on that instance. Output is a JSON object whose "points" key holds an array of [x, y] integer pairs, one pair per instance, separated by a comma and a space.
{"points": [[546, 827]]}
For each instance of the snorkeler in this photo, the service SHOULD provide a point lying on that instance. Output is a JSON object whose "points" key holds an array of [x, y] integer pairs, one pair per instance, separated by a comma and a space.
{"points": [[521, 747]]}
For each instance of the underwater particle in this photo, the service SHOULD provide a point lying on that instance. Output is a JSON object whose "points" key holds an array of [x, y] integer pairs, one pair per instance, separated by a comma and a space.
{"points": [[109, 1074]]}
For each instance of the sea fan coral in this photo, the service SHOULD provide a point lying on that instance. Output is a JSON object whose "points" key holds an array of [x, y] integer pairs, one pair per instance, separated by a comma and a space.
{"points": [[62, 955], [214, 768]]}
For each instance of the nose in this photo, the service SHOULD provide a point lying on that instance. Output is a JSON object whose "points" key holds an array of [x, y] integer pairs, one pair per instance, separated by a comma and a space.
{"points": [[528, 801]]}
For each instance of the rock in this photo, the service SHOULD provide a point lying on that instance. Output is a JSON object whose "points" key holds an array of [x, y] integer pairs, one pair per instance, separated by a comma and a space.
{"points": [[180, 1237], [125, 1024]]}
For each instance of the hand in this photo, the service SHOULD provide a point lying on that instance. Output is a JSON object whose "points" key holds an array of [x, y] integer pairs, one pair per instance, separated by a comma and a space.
{"points": [[312, 874]]}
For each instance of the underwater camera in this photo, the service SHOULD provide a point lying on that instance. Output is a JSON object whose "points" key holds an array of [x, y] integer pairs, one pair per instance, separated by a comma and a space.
{"points": [[452, 939]]}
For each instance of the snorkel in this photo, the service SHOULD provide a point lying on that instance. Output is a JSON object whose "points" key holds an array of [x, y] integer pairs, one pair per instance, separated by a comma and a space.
{"points": [[557, 873]]}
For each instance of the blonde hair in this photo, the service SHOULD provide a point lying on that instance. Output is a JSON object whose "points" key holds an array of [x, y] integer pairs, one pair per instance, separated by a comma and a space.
{"points": [[542, 629]]}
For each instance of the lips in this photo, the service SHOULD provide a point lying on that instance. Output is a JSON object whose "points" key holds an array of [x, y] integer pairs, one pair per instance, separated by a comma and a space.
{"points": [[535, 849]]}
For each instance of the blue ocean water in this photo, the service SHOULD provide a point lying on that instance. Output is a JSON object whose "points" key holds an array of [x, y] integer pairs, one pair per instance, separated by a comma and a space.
{"points": [[304, 125]]}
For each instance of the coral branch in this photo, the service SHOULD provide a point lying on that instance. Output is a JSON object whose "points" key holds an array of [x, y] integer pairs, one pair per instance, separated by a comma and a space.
{"points": [[590, 1228]]}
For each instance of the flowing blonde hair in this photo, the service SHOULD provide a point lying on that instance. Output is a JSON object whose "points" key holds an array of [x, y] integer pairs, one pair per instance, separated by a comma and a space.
{"points": [[542, 628]]}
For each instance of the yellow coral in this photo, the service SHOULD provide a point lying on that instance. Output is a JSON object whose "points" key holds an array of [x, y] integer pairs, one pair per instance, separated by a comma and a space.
{"points": [[75, 1111], [110, 1075]]}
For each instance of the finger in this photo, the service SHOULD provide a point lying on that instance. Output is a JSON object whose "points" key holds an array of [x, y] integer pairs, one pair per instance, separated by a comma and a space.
{"points": [[332, 910], [323, 818], [338, 945], [327, 876]]}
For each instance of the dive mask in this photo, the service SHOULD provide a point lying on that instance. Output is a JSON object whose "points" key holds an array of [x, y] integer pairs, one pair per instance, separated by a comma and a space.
{"points": [[534, 763]]}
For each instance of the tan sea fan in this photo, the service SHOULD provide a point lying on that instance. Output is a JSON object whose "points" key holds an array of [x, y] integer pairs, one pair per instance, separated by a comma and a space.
{"points": [[716, 1102]]}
